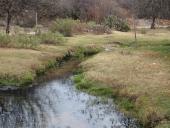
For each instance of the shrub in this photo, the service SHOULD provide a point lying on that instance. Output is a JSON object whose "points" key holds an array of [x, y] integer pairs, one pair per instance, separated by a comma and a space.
{"points": [[5, 40], [26, 41], [19, 41], [100, 29], [30, 41], [68, 27], [143, 31], [97, 28], [91, 24], [52, 38], [79, 54], [64, 26], [117, 23], [80, 27]]}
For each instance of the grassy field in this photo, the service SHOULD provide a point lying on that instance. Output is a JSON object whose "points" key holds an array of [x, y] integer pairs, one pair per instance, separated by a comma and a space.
{"points": [[138, 74], [20, 63]]}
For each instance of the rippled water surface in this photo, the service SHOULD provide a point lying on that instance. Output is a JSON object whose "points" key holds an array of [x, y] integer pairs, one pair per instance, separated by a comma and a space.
{"points": [[57, 104]]}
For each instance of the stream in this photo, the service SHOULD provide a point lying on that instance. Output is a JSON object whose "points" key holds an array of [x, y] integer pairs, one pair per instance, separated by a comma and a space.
{"points": [[57, 104]]}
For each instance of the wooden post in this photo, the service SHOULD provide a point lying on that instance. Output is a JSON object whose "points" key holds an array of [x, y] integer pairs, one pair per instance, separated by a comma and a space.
{"points": [[134, 20], [36, 19], [135, 29]]}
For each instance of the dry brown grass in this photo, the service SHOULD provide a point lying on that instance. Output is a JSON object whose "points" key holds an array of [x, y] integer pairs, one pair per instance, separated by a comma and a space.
{"points": [[138, 75], [19, 61]]}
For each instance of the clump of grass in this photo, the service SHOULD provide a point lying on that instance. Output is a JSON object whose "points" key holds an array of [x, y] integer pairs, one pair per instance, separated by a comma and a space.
{"points": [[6, 79], [101, 91], [27, 79], [125, 103], [79, 54], [40, 71], [52, 38], [19, 41], [82, 52], [5, 40], [17, 81], [31, 41], [162, 48], [25, 41], [91, 87], [143, 31]]}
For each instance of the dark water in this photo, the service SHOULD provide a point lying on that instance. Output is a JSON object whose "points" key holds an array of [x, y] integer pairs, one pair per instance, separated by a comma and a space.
{"points": [[58, 104]]}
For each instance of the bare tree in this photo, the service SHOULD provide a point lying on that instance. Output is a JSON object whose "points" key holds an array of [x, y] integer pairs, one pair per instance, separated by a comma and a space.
{"points": [[9, 9], [153, 9]]}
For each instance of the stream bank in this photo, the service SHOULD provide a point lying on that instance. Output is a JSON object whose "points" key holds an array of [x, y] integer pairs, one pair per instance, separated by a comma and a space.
{"points": [[29, 79]]}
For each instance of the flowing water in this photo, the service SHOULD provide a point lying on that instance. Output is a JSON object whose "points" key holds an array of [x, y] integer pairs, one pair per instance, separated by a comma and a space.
{"points": [[57, 104]]}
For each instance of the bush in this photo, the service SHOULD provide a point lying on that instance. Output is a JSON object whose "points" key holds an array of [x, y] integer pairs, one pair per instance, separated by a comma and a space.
{"points": [[26, 41], [117, 23], [64, 26], [19, 41], [30, 41], [91, 24], [97, 28], [143, 31], [100, 29], [79, 54], [52, 38], [68, 27], [5, 40]]}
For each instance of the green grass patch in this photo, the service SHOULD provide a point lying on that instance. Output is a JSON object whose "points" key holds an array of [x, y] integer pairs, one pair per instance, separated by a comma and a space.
{"points": [[82, 52], [92, 87], [17, 81], [125, 103], [97, 89]]}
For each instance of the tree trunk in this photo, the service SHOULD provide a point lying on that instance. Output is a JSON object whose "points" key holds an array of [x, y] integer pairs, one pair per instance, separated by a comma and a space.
{"points": [[153, 23], [8, 21]]}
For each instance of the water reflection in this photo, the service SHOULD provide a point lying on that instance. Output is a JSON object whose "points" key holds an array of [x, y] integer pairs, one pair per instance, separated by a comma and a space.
{"points": [[58, 104]]}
